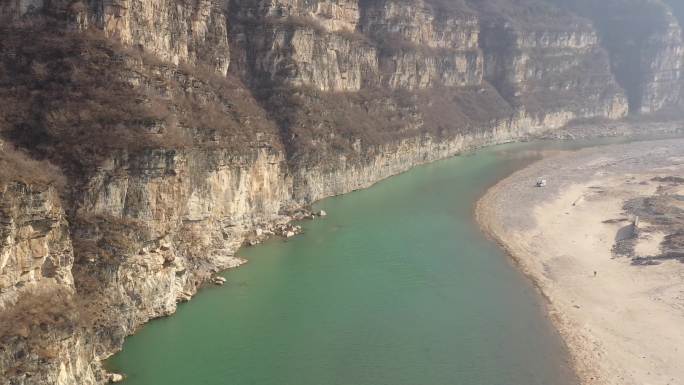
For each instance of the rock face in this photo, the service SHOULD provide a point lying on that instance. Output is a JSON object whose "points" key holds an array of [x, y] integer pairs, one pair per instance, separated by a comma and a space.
{"points": [[152, 235], [421, 48], [41, 342], [305, 56], [35, 249], [183, 126], [645, 43], [549, 61], [192, 32]]}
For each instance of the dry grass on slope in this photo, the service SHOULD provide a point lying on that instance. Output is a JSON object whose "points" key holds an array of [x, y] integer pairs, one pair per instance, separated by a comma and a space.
{"points": [[18, 166], [78, 99]]}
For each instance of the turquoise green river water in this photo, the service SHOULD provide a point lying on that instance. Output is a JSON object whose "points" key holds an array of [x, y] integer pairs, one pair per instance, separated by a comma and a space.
{"points": [[397, 286]]}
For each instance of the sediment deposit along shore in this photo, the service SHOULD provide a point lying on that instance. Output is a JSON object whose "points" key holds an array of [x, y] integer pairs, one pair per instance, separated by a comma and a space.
{"points": [[614, 290]]}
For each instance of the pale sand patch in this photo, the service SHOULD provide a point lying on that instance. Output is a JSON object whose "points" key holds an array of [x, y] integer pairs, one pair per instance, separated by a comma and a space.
{"points": [[648, 244], [614, 308], [625, 324]]}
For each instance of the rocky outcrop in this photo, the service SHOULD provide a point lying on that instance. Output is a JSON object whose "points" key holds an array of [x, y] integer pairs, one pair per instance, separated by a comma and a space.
{"points": [[331, 15], [35, 244], [645, 44], [303, 44], [385, 44], [421, 48], [302, 55], [41, 342], [549, 60], [50, 350], [422, 23], [187, 32], [536, 65], [153, 227], [195, 31]]}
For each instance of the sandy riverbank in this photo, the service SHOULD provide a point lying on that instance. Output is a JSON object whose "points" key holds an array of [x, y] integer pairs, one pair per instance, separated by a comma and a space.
{"points": [[617, 300]]}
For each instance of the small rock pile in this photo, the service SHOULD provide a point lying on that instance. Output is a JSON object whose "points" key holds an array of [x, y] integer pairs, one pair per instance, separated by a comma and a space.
{"points": [[114, 377], [285, 229]]}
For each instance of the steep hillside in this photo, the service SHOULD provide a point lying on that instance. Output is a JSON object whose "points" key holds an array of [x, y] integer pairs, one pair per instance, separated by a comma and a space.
{"points": [[544, 59], [645, 44]]}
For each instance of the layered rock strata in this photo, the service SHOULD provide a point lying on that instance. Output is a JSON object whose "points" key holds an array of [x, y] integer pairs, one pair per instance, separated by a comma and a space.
{"points": [[644, 40]]}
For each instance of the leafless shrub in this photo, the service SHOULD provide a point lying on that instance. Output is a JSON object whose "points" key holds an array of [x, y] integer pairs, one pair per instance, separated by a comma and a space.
{"points": [[86, 98], [296, 21], [47, 306], [17, 166]]}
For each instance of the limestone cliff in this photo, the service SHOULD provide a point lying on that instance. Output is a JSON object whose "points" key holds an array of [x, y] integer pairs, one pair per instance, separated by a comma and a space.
{"points": [[645, 44], [421, 47], [543, 59], [188, 32], [147, 138], [37, 322], [36, 246]]}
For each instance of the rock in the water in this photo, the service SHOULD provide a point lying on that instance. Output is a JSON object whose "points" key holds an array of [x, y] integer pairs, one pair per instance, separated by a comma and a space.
{"points": [[183, 296], [322, 213]]}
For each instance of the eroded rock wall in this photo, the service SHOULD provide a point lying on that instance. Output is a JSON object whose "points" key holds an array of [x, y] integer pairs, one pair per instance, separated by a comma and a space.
{"points": [[180, 32], [35, 244], [40, 340], [421, 47], [544, 59], [302, 55], [644, 40], [380, 162], [163, 222]]}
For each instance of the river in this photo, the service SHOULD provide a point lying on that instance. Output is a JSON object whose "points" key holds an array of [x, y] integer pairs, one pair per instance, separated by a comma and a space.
{"points": [[396, 286]]}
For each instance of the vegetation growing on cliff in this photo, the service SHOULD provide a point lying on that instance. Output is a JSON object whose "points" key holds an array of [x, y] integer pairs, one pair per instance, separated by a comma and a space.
{"points": [[78, 98]]}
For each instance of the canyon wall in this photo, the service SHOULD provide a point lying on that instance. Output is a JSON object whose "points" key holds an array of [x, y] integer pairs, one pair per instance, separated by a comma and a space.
{"points": [[145, 140], [678, 11], [36, 246], [188, 32], [543, 59], [644, 40]]}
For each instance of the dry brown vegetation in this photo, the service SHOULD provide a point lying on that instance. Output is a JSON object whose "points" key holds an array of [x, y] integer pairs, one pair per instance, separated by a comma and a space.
{"points": [[527, 15], [18, 166], [48, 306], [296, 22], [107, 238], [77, 109], [319, 126], [78, 98]]}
